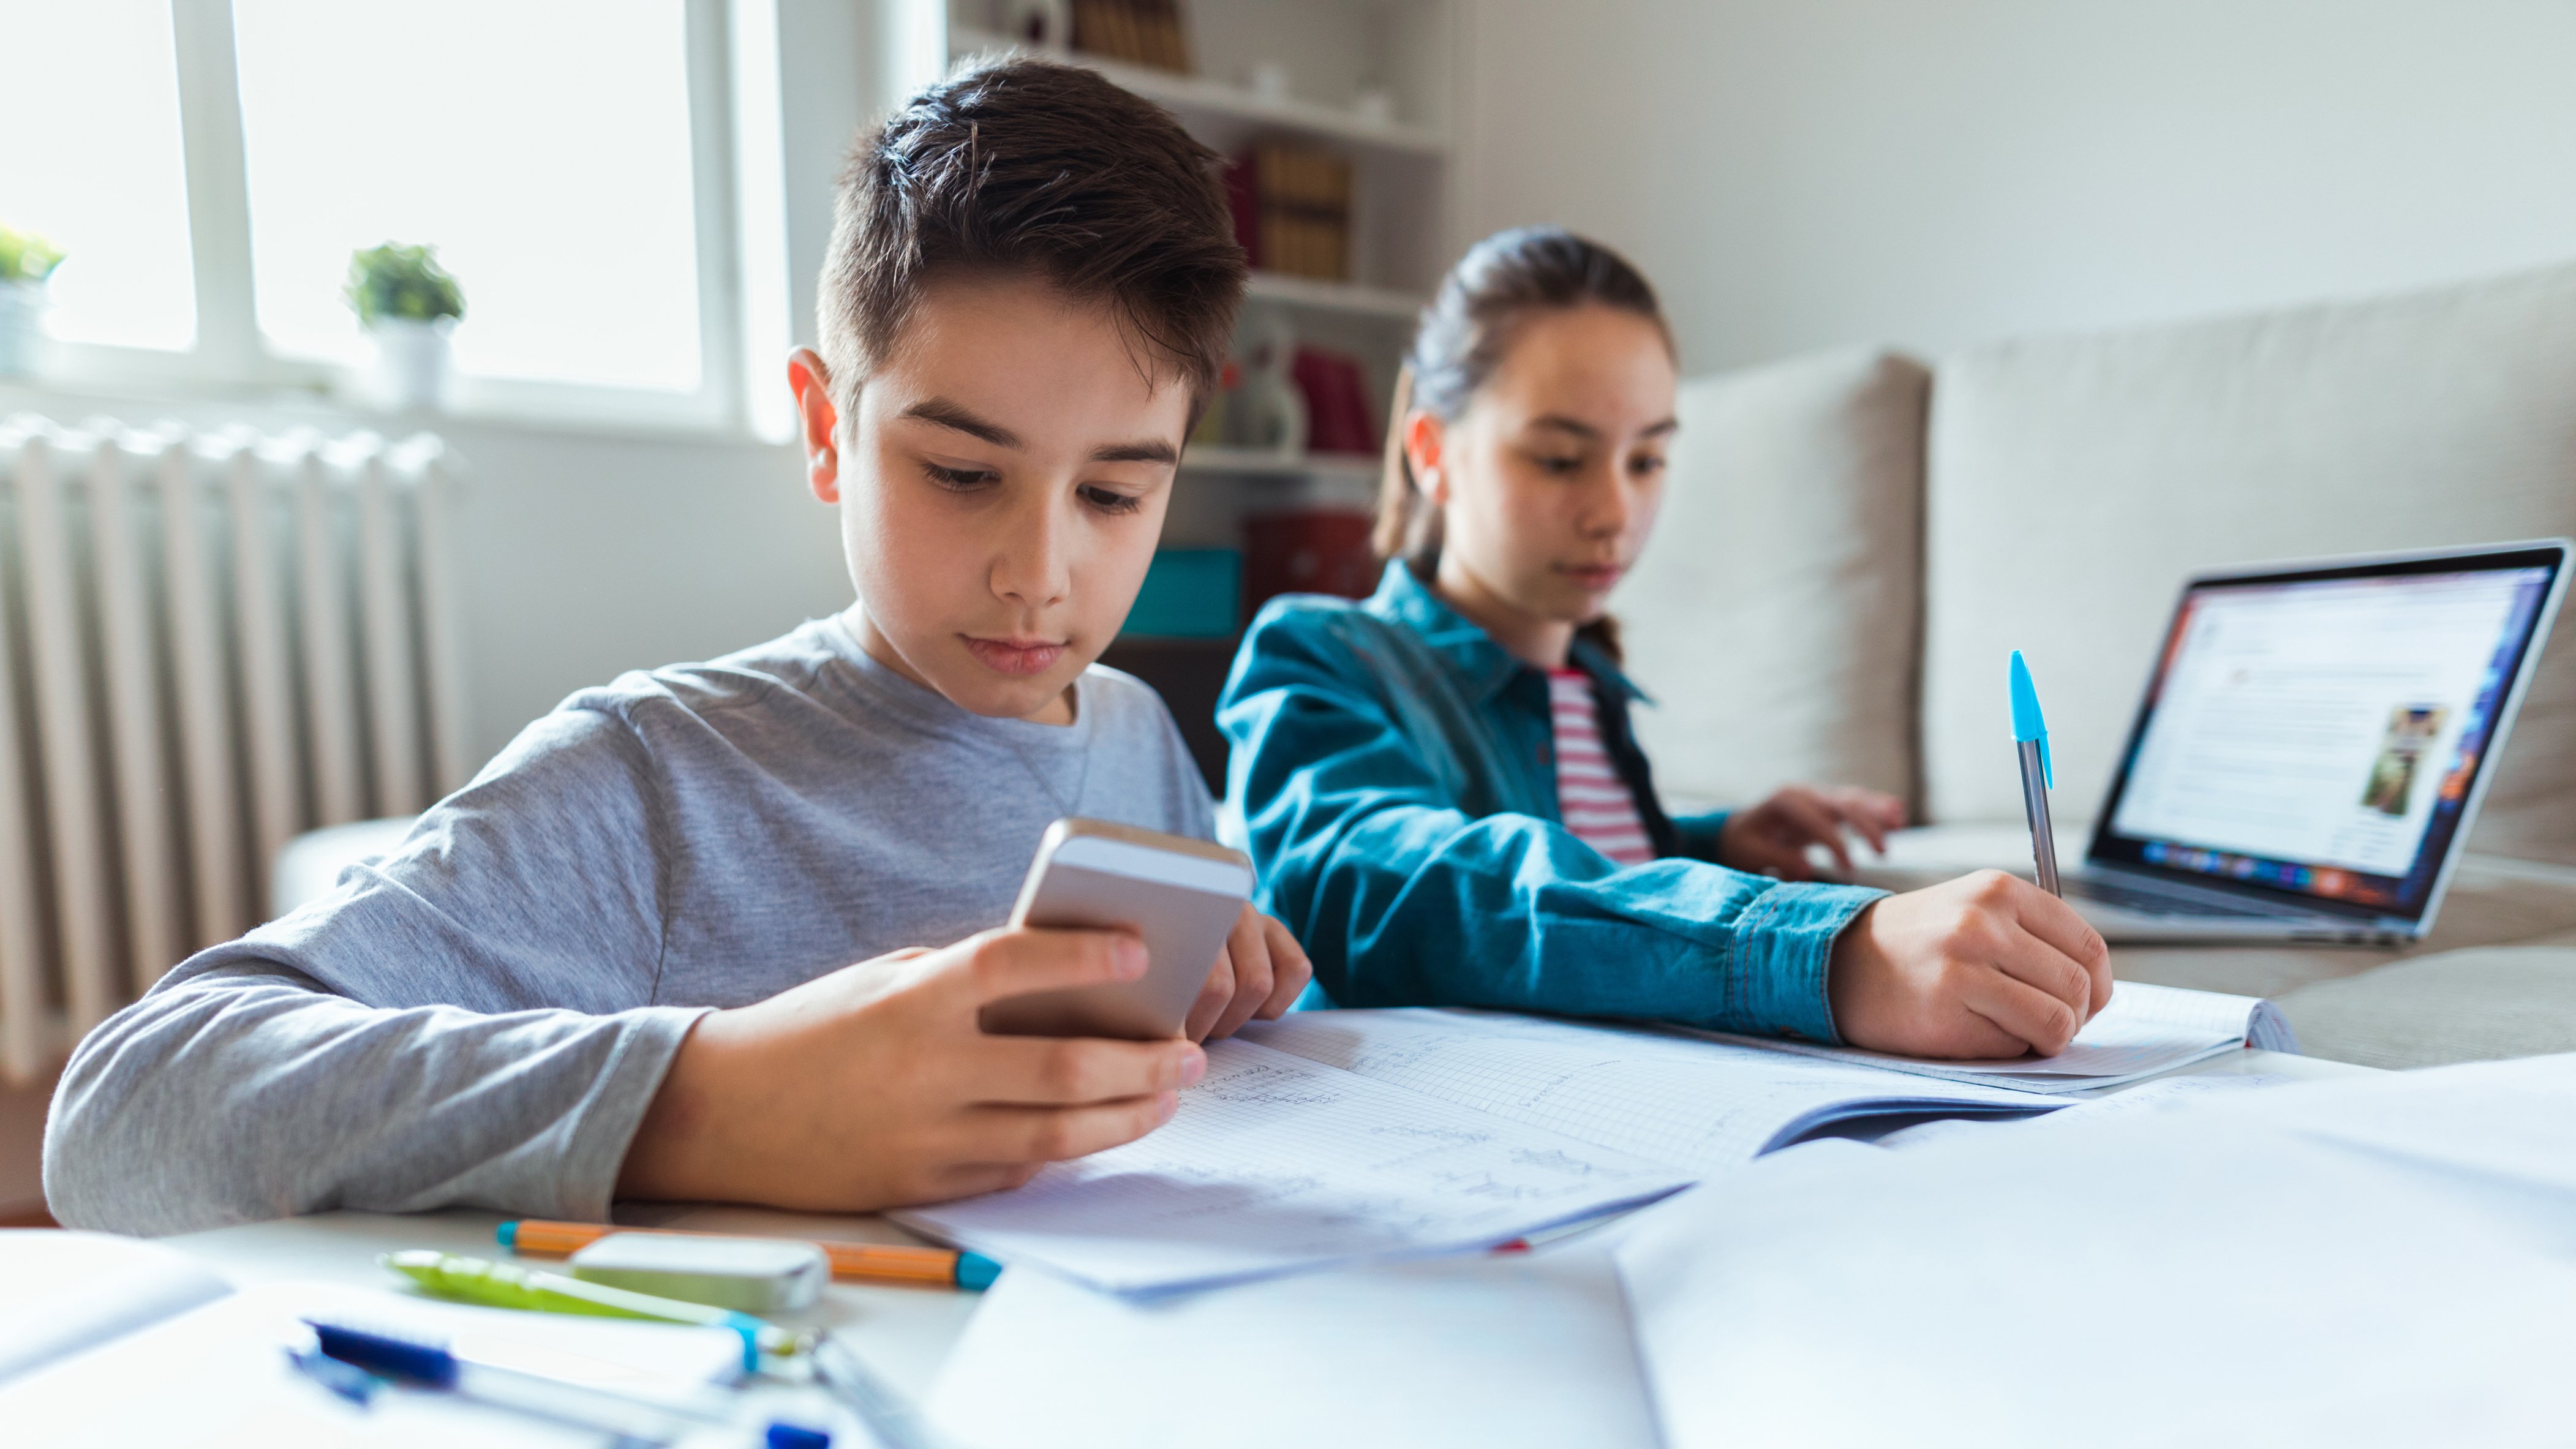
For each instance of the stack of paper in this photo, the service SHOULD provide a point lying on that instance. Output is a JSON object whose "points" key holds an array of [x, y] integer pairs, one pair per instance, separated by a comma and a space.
{"points": [[2378, 1261]]}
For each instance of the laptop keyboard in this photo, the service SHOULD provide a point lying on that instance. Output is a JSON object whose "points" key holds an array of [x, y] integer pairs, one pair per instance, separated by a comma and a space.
{"points": [[2153, 903]]}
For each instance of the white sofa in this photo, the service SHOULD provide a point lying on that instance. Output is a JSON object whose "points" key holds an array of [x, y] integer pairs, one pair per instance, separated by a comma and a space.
{"points": [[1853, 542]]}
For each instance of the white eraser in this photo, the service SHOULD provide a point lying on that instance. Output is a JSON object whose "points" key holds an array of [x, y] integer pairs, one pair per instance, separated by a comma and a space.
{"points": [[755, 1275]]}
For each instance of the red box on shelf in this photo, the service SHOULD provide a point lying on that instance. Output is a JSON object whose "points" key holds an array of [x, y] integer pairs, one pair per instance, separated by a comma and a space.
{"points": [[1308, 551]]}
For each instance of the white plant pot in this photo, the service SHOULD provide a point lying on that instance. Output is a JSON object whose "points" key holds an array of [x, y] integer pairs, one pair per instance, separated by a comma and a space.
{"points": [[411, 363], [22, 327]]}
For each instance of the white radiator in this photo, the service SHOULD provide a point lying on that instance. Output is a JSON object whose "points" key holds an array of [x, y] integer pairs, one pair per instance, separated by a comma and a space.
{"points": [[209, 641]]}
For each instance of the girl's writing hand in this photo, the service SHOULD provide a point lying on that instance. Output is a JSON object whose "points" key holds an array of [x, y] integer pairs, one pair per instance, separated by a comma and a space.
{"points": [[1985, 966]]}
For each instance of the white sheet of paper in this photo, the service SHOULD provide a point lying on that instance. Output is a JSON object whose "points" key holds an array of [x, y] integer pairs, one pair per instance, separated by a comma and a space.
{"points": [[61, 1292], [219, 1376], [1274, 1164], [1702, 1105], [1495, 1351], [2376, 1262], [2145, 1030]]}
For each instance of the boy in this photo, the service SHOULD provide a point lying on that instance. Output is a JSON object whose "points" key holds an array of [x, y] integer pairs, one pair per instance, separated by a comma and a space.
{"points": [[618, 962]]}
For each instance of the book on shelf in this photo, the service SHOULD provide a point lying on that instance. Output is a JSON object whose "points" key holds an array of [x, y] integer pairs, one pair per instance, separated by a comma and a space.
{"points": [[1307, 551], [1338, 416], [1139, 32], [1292, 210]]}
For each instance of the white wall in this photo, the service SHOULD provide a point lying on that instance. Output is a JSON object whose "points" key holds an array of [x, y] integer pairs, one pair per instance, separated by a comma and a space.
{"points": [[1799, 173]]}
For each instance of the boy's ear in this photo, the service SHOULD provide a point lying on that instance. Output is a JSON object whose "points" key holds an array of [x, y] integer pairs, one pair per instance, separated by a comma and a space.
{"points": [[811, 381], [1423, 439]]}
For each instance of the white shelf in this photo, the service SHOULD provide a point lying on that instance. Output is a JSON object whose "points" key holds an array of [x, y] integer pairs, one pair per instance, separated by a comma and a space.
{"points": [[1346, 297], [1262, 463], [1197, 95]]}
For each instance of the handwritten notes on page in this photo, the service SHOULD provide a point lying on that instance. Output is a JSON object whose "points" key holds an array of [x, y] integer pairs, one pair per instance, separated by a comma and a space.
{"points": [[1695, 1103], [1276, 1163], [2145, 1030]]}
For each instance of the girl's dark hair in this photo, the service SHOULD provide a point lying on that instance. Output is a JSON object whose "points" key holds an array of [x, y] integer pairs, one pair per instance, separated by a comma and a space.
{"points": [[1029, 166], [1463, 336]]}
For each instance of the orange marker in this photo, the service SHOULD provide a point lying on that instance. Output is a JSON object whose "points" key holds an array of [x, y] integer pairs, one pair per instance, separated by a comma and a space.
{"points": [[851, 1262]]}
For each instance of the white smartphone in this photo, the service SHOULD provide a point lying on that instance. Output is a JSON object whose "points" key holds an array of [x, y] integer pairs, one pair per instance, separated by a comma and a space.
{"points": [[1180, 895]]}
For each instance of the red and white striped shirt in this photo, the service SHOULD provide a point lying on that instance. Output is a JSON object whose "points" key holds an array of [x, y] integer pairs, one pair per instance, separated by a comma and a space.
{"points": [[1595, 801]]}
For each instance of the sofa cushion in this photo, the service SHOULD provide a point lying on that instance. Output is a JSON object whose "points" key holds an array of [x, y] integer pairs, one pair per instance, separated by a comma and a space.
{"points": [[1772, 617], [2460, 1006], [2075, 481]]}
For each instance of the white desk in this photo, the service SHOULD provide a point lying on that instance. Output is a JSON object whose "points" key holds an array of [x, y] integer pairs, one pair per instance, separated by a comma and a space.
{"points": [[904, 1333]]}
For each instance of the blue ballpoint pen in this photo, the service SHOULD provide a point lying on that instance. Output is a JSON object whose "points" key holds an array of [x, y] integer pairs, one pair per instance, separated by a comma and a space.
{"points": [[635, 1418], [2038, 773]]}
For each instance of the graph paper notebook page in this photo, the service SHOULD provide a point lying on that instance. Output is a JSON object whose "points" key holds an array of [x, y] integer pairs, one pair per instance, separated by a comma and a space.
{"points": [[1701, 1105], [2145, 1030], [1275, 1163]]}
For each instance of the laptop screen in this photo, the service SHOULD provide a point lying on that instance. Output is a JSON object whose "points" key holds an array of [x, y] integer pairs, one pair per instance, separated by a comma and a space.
{"points": [[2319, 734]]}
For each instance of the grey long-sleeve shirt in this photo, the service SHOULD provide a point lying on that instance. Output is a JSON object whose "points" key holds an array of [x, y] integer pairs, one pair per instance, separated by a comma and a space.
{"points": [[482, 1017]]}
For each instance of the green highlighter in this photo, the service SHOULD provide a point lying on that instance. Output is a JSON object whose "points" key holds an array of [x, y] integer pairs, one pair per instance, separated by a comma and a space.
{"points": [[507, 1285]]}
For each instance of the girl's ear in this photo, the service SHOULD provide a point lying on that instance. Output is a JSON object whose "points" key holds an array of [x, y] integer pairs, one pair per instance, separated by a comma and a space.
{"points": [[811, 381], [1424, 438]]}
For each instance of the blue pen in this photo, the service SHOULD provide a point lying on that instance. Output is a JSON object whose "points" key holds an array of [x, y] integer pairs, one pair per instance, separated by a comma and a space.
{"points": [[2038, 773], [388, 1355]]}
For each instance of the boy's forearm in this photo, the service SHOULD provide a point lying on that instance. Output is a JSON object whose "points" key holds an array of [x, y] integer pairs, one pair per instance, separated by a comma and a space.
{"points": [[242, 1096]]}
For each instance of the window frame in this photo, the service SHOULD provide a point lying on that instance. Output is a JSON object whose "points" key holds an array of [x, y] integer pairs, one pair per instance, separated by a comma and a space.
{"points": [[228, 358]]}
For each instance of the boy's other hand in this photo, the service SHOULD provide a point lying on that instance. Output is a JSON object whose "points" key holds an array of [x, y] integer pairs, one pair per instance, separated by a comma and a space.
{"points": [[1772, 838], [1260, 973], [874, 1087], [1987, 965]]}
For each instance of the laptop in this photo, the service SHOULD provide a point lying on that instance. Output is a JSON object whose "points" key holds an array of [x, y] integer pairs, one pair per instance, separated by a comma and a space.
{"points": [[2313, 745]]}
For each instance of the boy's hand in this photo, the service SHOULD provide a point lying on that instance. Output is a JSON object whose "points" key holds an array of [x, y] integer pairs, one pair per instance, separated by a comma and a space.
{"points": [[873, 1087], [1987, 965], [1259, 973], [1772, 838]]}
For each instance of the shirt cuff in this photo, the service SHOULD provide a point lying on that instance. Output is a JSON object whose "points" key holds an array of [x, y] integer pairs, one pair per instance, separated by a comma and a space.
{"points": [[604, 1125], [1784, 943]]}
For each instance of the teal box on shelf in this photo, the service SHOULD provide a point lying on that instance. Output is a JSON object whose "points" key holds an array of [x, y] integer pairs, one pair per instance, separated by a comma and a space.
{"points": [[1189, 593]]}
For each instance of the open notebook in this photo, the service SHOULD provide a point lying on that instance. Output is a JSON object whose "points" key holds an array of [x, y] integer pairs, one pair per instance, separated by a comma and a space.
{"points": [[1339, 1136]]}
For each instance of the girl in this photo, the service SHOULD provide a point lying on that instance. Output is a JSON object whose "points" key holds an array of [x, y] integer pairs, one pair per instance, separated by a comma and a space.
{"points": [[1440, 785]]}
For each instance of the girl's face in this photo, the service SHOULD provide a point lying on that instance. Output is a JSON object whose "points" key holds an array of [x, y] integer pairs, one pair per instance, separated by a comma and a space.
{"points": [[1549, 480]]}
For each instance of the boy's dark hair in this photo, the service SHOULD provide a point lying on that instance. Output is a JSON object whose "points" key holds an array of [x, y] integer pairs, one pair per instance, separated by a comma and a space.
{"points": [[1029, 166]]}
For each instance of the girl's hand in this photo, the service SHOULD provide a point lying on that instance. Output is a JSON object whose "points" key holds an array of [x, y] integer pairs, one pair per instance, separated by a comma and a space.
{"points": [[1260, 973], [1772, 837], [1984, 966]]}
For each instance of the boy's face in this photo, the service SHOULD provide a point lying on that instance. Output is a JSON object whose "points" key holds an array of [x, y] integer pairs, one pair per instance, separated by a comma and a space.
{"points": [[1001, 479]]}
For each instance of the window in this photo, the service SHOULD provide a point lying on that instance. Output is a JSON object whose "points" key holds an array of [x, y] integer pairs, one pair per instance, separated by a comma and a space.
{"points": [[568, 158], [105, 102], [543, 147]]}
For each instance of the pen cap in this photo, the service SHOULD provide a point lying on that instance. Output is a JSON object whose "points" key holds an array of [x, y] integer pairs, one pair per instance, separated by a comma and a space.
{"points": [[2026, 720]]}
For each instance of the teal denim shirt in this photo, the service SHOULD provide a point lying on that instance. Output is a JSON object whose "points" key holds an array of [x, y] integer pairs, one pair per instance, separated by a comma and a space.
{"points": [[1393, 775]]}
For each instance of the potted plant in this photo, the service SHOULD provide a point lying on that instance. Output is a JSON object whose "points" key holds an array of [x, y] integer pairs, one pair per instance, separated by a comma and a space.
{"points": [[26, 260], [408, 304]]}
